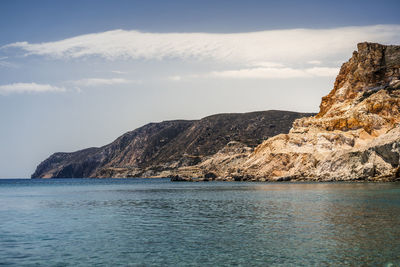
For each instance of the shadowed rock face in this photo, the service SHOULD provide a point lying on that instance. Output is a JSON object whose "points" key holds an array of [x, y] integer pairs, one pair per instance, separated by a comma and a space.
{"points": [[160, 149]]}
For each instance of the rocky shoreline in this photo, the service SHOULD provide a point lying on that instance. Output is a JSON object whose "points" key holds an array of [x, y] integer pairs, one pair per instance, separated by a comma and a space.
{"points": [[389, 179]]}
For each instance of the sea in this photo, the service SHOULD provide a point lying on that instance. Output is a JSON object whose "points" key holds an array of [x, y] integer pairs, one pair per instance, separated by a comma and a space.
{"points": [[155, 222]]}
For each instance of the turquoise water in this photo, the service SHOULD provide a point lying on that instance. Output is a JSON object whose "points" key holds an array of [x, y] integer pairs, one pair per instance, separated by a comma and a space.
{"points": [[141, 222]]}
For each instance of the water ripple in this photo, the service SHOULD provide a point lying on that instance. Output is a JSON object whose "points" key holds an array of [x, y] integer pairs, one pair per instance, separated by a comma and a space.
{"points": [[140, 223]]}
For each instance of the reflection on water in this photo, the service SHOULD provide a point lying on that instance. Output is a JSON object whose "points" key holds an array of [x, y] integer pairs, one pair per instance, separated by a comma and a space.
{"points": [[144, 222]]}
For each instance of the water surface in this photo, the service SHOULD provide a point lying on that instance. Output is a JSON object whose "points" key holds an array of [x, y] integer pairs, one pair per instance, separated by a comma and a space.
{"points": [[142, 222]]}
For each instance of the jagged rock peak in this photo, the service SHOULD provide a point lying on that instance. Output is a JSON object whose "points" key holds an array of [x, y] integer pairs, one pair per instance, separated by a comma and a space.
{"points": [[372, 67]]}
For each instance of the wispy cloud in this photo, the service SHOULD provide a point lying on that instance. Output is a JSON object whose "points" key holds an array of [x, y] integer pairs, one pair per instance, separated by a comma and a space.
{"points": [[29, 88], [119, 72], [314, 62], [5, 63], [264, 46], [44, 88], [276, 73], [266, 64], [91, 82], [322, 71], [175, 78]]}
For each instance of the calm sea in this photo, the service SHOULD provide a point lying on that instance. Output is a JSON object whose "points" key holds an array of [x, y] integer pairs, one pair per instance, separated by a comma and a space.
{"points": [[144, 222]]}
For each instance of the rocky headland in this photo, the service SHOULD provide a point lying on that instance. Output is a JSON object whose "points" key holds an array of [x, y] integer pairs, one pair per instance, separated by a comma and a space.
{"points": [[355, 136], [163, 149]]}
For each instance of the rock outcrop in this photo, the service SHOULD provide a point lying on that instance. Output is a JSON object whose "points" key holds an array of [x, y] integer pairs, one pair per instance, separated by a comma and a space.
{"points": [[160, 149], [355, 136]]}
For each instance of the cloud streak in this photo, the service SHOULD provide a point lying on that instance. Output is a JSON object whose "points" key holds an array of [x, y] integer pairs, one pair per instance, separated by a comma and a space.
{"points": [[264, 46], [20, 88], [29, 88], [119, 72], [92, 82], [6, 64], [175, 78], [276, 73]]}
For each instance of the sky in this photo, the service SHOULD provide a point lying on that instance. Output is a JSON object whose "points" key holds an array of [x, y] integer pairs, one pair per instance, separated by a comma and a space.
{"points": [[77, 74]]}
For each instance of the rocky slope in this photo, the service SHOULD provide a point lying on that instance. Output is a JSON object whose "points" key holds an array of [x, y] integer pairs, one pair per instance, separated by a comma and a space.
{"points": [[355, 136], [161, 149]]}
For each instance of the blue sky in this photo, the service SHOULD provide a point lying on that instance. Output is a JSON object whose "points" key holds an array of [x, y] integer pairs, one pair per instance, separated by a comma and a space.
{"points": [[75, 74]]}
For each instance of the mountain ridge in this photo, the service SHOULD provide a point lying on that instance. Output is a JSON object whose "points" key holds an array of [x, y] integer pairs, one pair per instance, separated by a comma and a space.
{"points": [[154, 147]]}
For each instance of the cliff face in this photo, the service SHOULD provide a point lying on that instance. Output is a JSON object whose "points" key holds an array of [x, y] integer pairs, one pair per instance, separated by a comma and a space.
{"points": [[370, 69], [160, 149], [355, 136]]}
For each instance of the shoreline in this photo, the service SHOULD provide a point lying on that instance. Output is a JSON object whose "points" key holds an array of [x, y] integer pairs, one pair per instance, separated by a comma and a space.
{"points": [[263, 180]]}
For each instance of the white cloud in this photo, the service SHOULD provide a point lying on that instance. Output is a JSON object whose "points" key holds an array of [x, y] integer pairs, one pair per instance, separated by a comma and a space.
{"points": [[323, 71], [267, 64], [175, 78], [276, 73], [43, 88], [314, 62], [29, 88], [284, 46], [4, 63], [101, 82], [119, 72]]}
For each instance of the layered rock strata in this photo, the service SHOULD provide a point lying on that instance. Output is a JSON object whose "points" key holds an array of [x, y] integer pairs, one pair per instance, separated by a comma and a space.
{"points": [[355, 136]]}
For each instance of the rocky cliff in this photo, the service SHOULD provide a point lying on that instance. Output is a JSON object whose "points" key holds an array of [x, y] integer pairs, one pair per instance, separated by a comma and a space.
{"points": [[161, 149], [355, 136]]}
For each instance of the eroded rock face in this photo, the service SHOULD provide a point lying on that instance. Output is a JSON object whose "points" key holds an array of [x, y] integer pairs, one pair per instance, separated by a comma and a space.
{"points": [[370, 68], [355, 136]]}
